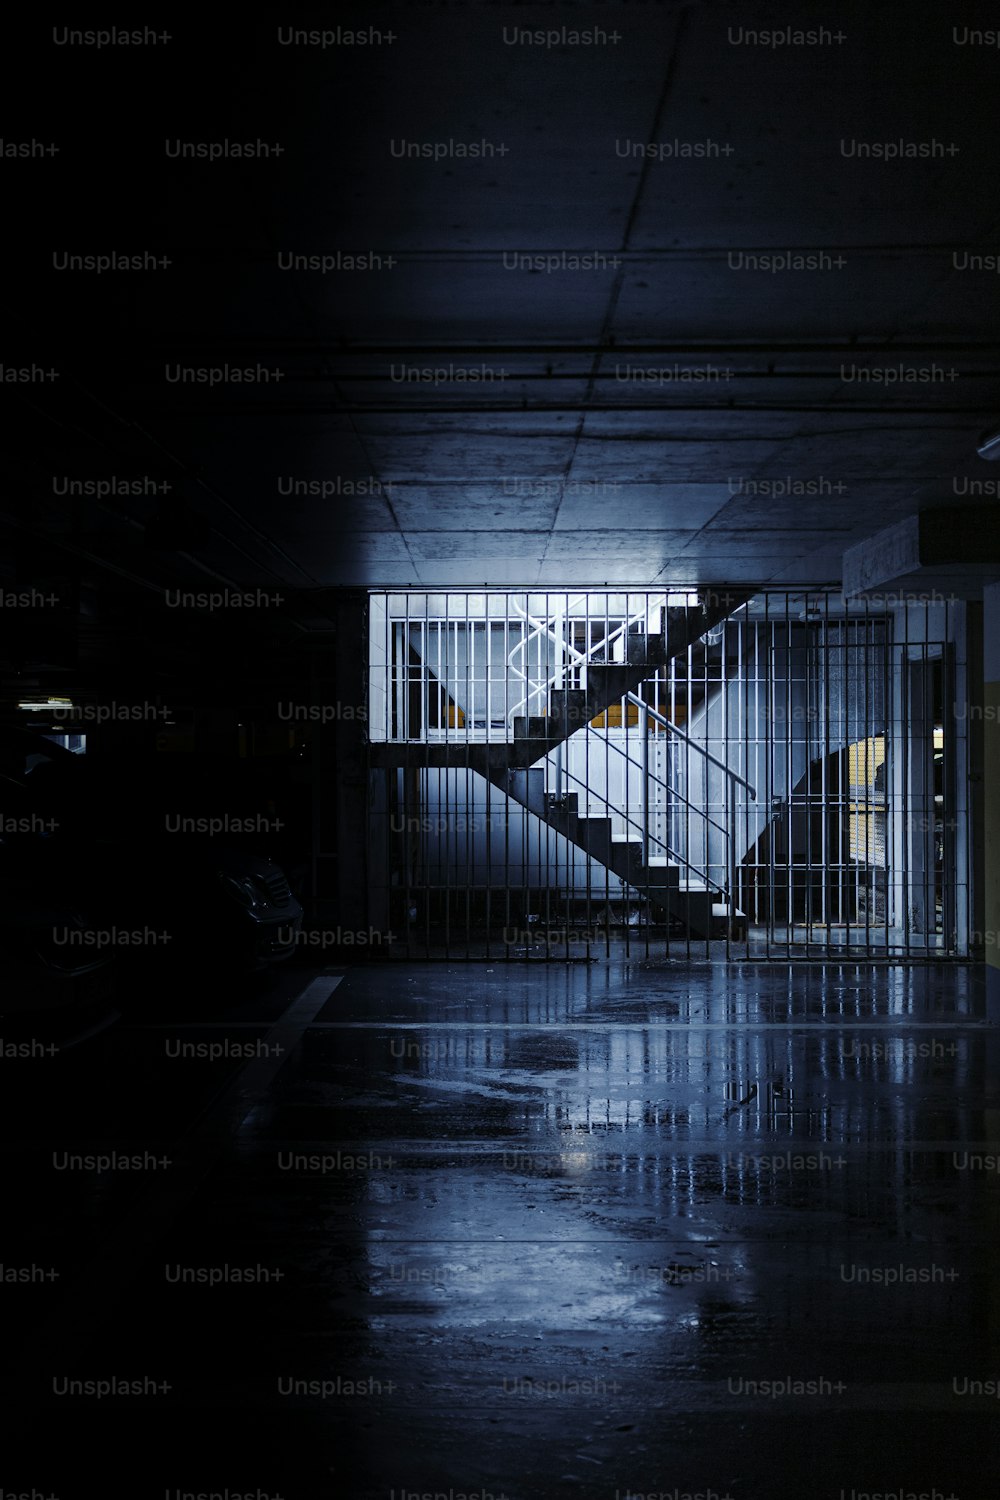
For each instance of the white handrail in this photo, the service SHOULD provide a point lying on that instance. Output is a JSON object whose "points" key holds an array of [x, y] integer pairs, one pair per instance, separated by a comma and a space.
{"points": [[541, 627]]}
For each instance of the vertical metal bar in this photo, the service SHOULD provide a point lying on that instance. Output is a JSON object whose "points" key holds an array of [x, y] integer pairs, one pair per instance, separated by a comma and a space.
{"points": [[706, 686], [922, 910], [838, 792], [428, 686], [888, 633], [507, 734], [859, 852], [730, 629], [743, 764], [761, 713], [817, 645], [927, 674], [823, 664], [942, 884], [645, 791], [907, 739], [789, 775], [564, 897], [523, 820], [672, 750], [428, 690], [712, 807], [531, 872], [401, 781], [769, 644], [962, 685], [542, 707], [949, 873], [687, 851], [395, 691], [488, 831], [729, 797], [470, 790], [807, 749], [868, 659], [449, 657], [608, 653], [743, 638], [856, 814], [646, 900], [625, 709], [574, 679], [558, 682]]}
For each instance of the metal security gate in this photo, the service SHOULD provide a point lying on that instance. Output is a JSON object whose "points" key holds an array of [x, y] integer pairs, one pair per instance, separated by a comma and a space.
{"points": [[567, 774]]}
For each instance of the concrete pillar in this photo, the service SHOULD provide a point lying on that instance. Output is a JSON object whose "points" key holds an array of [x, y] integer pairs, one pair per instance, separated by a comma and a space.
{"points": [[991, 796]]}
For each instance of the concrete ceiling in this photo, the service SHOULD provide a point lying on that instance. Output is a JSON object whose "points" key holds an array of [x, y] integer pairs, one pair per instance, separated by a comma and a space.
{"points": [[749, 459]]}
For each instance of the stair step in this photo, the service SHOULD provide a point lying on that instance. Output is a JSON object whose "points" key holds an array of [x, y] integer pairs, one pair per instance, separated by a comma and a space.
{"points": [[632, 854], [660, 879], [528, 788], [592, 833], [643, 650], [569, 709]]}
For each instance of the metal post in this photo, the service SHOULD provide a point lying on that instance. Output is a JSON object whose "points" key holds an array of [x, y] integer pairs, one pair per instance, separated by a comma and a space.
{"points": [[645, 787]]}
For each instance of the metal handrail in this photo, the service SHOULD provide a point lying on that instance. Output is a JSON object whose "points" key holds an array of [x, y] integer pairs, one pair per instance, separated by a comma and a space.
{"points": [[538, 627], [661, 781], [647, 836], [569, 776], [659, 718], [543, 627]]}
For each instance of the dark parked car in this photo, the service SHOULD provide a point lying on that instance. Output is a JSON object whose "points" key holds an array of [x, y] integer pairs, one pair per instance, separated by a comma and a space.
{"points": [[52, 963], [157, 862]]}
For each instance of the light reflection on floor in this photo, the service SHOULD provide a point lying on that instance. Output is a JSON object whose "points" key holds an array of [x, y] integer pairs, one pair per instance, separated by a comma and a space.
{"points": [[579, 1230]]}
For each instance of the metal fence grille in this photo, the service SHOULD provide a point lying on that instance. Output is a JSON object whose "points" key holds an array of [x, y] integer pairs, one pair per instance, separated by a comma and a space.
{"points": [[559, 775]]}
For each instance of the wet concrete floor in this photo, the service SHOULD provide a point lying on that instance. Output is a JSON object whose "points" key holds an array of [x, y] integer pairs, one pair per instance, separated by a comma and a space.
{"points": [[656, 1228]]}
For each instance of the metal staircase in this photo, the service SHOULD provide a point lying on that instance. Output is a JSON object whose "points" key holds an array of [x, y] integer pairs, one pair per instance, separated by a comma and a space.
{"points": [[672, 885]]}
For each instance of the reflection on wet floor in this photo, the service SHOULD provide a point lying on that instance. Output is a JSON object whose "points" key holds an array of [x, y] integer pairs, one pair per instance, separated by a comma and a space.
{"points": [[590, 1231]]}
